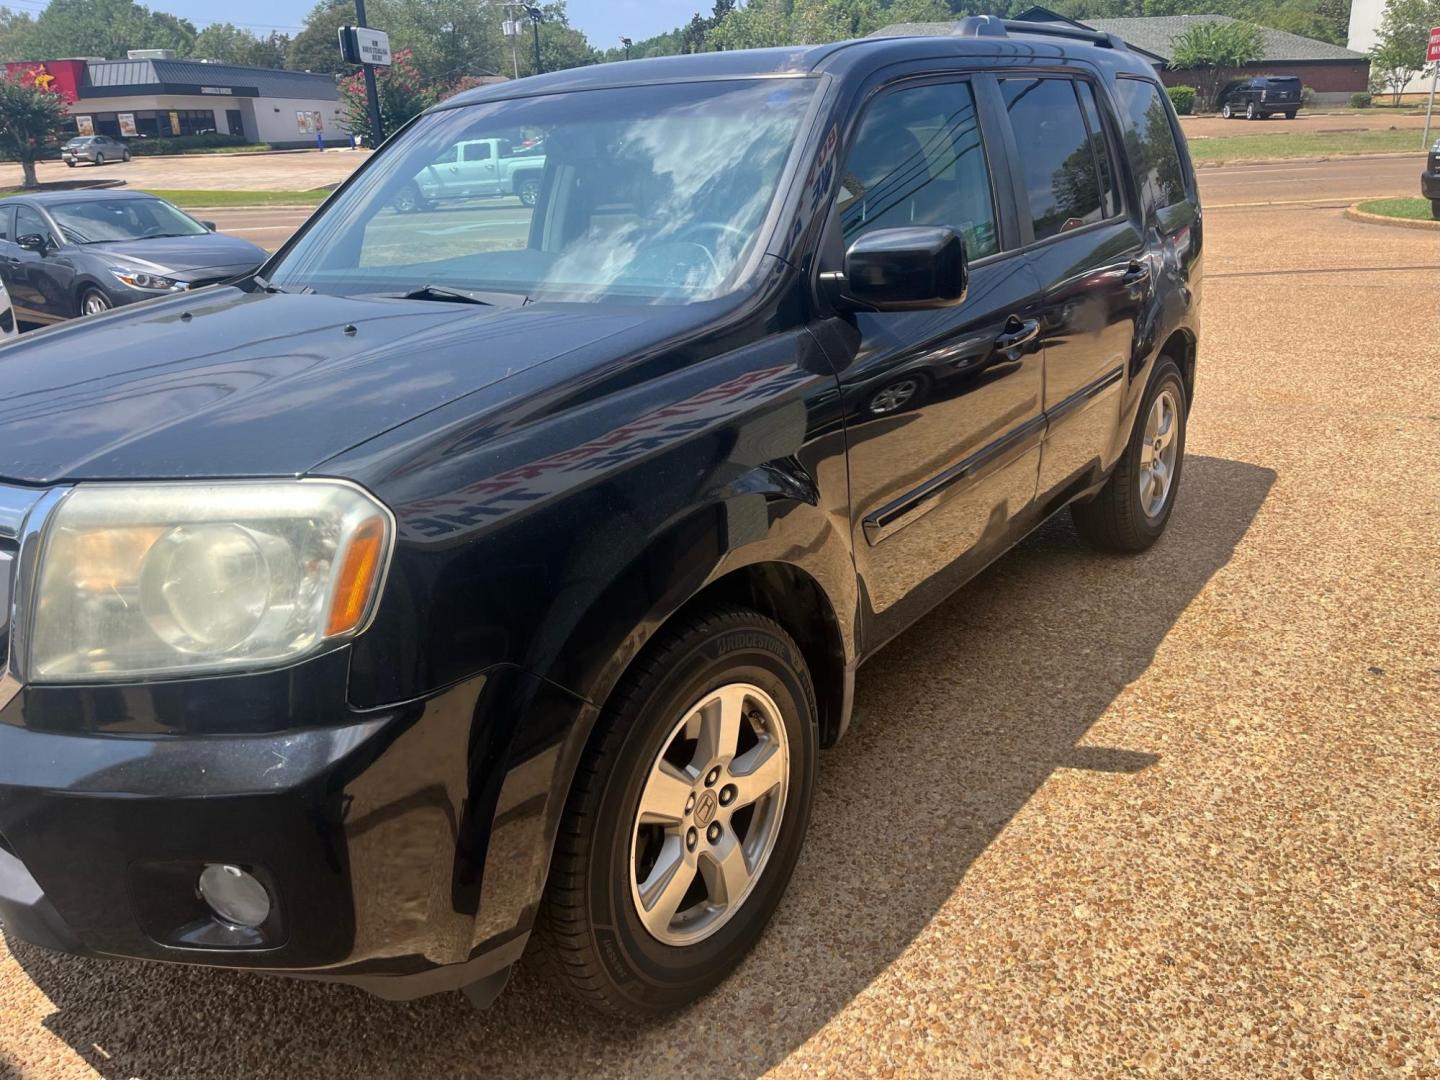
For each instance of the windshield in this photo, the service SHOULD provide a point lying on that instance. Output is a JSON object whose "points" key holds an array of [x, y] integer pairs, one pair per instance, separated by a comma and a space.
{"points": [[99, 220], [633, 194]]}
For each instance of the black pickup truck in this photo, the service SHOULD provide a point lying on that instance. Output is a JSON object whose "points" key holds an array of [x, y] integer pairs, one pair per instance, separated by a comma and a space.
{"points": [[485, 579]]}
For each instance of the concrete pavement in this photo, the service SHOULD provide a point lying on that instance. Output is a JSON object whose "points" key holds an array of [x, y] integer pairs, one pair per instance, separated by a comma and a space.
{"points": [[1166, 815]]}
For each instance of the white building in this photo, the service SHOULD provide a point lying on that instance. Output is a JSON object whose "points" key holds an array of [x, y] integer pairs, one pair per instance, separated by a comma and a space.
{"points": [[1365, 18]]}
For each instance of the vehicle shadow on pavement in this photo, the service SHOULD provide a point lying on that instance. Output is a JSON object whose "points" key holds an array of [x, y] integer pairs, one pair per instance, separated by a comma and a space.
{"points": [[958, 723]]}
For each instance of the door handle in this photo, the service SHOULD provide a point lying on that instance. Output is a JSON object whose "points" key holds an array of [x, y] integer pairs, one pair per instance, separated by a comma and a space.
{"points": [[1017, 335], [1134, 274]]}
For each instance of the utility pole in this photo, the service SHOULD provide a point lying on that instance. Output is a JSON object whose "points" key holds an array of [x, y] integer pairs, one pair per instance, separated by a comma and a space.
{"points": [[535, 20], [511, 29], [372, 94], [627, 43]]}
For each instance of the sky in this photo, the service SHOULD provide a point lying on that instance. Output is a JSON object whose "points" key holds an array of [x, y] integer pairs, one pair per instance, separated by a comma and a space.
{"points": [[604, 21]]}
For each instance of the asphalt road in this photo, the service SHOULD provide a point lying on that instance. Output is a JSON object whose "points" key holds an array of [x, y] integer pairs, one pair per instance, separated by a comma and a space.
{"points": [[1166, 815]]}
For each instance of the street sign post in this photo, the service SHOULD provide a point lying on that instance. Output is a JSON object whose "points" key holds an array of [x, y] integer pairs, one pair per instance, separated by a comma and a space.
{"points": [[1432, 56], [367, 47]]}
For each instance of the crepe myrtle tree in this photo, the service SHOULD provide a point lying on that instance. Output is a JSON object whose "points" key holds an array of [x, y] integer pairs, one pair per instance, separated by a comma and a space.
{"points": [[30, 119], [1211, 49], [403, 94]]}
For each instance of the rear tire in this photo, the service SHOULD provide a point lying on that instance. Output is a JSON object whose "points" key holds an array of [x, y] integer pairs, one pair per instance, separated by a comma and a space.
{"points": [[125, 156], [1251, 113], [1130, 513], [70, 163], [1290, 115], [529, 192], [1227, 112], [639, 916], [1435, 209]]}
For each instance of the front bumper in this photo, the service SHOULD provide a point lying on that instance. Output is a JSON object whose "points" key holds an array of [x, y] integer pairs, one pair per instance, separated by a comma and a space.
{"points": [[405, 849]]}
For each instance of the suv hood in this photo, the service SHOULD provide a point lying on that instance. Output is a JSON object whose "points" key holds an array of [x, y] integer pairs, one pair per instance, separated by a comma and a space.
{"points": [[226, 383]]}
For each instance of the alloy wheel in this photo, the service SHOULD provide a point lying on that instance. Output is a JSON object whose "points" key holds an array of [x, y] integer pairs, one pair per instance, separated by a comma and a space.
{"points": [[530, 192], [1157, 453], [894, 397], [94, 303], [709, 814]]}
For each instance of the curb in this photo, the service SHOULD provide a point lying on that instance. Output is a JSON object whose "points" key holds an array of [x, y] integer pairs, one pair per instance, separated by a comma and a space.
{"points": [[1305, 160], [1354, 213]]}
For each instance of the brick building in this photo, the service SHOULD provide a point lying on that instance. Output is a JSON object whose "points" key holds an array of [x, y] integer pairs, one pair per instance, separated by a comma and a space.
{"points": [[1333, 72]]}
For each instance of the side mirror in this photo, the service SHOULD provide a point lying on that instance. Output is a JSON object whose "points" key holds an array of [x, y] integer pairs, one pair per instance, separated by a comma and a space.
{"points": [[210, 225], [32, 242], [915, 266]]}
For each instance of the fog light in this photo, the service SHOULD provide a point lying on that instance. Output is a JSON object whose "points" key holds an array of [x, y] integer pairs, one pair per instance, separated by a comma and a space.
{"points": [[235, 896]]}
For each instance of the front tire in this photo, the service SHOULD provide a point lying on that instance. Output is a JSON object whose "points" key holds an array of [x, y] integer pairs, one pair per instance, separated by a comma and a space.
{"points": [[125, 156], [529, 192], [94, 302], [1251, 113], [407, 200], [1290, 115], [1133, 508], [686, 818], [99, 159]]}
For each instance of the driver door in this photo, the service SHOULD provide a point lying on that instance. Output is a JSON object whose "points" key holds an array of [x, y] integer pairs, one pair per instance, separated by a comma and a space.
{"points": [[943, 407], [33, 290]]}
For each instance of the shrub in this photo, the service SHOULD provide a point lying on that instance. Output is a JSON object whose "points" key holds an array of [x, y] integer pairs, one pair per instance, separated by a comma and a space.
{"points": [[180, 144], [1183, 98], [1361, 100], [1307, 97]]}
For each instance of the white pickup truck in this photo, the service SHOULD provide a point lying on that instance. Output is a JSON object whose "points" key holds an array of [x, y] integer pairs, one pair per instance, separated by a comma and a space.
{"points": [[473, 169]]}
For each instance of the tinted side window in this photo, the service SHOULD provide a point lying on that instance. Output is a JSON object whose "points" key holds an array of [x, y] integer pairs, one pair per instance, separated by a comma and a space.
{"points": [[6, 216], [1150, 144], [1062, 182], [477, 151], [918, 160], [29, 223]]}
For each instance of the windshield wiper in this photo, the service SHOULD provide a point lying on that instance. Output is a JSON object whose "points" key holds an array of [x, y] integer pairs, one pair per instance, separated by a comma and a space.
{"points": [[440, 292]]}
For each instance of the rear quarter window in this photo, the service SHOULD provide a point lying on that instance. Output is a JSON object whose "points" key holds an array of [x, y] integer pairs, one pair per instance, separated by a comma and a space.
{"points": [[1150, 146]]}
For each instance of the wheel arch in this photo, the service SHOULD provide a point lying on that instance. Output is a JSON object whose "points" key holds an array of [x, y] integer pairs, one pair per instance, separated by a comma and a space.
{"points": [[1180, 346]]}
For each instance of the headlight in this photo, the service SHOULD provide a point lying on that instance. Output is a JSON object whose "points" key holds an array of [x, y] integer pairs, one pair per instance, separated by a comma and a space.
{"points": [[139, 279], [187, 578]]}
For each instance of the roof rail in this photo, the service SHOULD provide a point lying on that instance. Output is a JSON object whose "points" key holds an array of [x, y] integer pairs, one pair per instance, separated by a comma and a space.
{"points": [[991, 26]]}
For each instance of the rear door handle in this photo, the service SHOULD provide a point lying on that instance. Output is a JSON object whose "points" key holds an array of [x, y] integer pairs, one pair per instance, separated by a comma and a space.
{"points": [[1017, 334]]}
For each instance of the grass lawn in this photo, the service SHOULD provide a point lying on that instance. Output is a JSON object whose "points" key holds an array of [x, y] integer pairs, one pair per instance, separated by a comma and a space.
{"points": [[1303, 144], [196, 198], [1415, 209]]}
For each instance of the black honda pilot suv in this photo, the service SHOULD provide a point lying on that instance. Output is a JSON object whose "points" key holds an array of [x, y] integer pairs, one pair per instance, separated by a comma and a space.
{"points": [[486, 579]]}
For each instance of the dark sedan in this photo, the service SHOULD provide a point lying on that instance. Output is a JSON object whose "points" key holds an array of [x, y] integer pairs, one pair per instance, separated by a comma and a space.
{"points": [[79, 253]]}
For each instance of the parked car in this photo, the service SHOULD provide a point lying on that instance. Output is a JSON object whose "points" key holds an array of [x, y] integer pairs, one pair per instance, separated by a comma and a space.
{"points": [[1261, 98], [1430, 180], [9, 328], [83, 252], [407, 605], [473, 169], [96, 149]]}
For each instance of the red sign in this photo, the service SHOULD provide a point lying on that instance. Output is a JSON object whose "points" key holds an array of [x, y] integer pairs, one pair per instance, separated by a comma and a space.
{"points": [[65, 77], [1432, 52]]}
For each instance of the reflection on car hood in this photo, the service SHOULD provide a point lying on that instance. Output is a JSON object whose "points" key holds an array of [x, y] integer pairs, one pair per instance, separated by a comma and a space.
{"points": [[225, 383], [183, 253]]}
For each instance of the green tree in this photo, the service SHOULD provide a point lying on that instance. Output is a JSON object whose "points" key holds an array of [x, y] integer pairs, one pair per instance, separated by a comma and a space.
{"points": [[107, 28], [1211, 49], [225, 42], [30, 119], [316, 47], [1399, 53], [15, 27]]}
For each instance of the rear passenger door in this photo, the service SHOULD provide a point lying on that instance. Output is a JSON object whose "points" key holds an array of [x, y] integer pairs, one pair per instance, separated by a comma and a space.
{"points": [[943, 407], [1092, 263]]}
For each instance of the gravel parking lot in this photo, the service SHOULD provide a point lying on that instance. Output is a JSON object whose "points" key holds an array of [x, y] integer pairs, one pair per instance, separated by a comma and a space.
{"points": [[1173, 814]]}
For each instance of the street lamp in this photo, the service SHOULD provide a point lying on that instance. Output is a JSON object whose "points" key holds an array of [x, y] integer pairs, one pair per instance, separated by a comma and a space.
{"points": [[627, 43]]}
